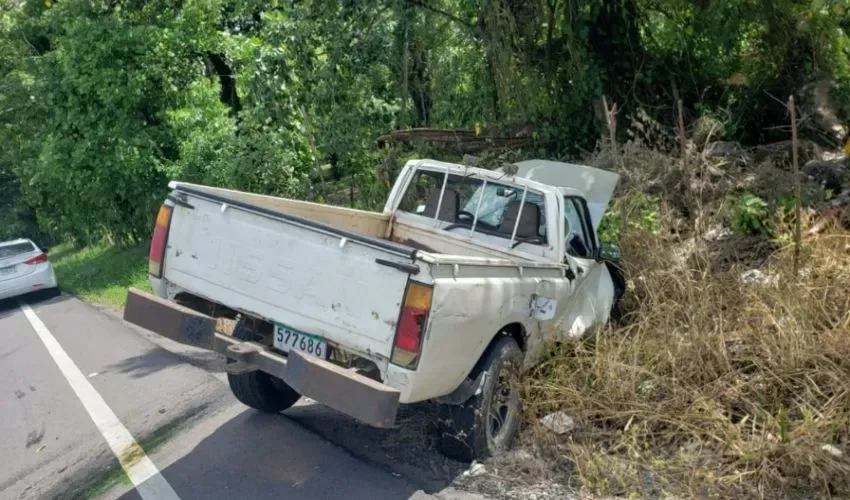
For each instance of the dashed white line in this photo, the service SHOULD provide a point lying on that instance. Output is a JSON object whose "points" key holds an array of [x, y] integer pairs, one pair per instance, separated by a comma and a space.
{"points": [[140, 469]]}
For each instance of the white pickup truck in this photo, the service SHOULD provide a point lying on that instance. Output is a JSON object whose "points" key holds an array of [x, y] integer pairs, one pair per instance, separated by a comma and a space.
{"points": [[459, 283]]}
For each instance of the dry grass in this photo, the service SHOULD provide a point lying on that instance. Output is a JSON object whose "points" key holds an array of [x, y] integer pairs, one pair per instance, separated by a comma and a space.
{"points": [[713, 388]]}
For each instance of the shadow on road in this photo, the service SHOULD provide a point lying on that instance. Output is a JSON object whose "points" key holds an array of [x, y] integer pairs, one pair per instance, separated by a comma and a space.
{"points": [[258, 456], [157, 359], [146, 364], [411, 448]]}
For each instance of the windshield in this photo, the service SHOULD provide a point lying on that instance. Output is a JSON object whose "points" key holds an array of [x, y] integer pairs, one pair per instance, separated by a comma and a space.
{"points": [[500, 208]]}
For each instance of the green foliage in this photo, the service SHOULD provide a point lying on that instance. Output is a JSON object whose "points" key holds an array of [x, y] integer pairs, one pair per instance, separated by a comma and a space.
{"points": [[101, 103], [642, 212], [751, 215], [101, 273]]}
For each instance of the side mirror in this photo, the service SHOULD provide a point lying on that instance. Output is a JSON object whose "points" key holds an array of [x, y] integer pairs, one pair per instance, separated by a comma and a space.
{"points": [[608, 251]]}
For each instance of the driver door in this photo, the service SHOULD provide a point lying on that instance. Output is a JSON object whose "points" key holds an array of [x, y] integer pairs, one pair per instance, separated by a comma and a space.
{"points": [[594, 290]]}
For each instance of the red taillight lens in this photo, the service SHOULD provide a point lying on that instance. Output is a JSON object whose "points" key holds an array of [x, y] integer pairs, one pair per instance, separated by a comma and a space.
{"points": [[38, 259], [158, 241], [411, 325]]}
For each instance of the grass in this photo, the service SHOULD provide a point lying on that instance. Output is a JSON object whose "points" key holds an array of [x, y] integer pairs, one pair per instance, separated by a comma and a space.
{"points": [[711, 388], [715, 388], [113, 477], [101, 274]]}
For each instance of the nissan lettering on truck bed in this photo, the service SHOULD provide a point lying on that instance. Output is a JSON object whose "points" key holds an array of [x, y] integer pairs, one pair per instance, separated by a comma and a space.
{"points": [[447, 296]]}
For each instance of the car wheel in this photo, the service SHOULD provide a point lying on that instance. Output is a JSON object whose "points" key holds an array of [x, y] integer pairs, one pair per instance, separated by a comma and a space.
{"points": [[257, 389], [487, 423]]}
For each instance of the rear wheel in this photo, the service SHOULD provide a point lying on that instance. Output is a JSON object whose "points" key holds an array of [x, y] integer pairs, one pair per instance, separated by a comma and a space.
{"points": [[487, 423], [257, 389]]}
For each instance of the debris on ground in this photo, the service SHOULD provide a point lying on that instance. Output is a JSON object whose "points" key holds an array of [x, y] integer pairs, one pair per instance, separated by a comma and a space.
{"points": [[559, 422], [475, 469], [758, 277]]}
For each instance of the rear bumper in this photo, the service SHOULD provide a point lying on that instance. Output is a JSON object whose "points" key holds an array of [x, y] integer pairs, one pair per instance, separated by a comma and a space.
{"points": [[39, 279], [343, 390]]}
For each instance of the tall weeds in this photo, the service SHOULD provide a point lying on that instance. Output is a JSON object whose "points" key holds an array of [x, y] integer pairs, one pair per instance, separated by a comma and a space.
{"points": [[712, 387]]}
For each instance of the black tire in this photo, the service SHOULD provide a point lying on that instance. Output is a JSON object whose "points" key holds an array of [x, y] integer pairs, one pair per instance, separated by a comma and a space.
{"points": [[257, 389], [483, 426], [616, 316]]}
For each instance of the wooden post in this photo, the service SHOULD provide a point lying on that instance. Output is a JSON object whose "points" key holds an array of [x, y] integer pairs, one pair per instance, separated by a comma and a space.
{"points": [[683, 139], [611, 119], [797, 185]]}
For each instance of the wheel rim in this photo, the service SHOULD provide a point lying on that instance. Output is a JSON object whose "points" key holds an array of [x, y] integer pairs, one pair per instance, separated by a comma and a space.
{"points": [[503, 403]]}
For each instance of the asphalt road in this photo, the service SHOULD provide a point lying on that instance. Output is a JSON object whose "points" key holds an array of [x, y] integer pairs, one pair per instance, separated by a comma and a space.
{"points": [[57, 429]]}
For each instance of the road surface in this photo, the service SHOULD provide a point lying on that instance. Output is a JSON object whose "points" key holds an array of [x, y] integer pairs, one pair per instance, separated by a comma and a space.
{"points": [[86, 397]]}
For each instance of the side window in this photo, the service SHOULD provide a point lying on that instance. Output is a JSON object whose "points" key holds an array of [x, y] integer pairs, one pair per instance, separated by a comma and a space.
{"points": [[579, 241]]}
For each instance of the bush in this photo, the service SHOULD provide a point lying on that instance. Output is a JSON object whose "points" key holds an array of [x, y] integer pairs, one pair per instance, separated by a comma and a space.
{"points": [[641, 212], [750, 215]]}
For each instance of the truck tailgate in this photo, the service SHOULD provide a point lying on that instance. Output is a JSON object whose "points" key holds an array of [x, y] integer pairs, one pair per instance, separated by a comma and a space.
{"points": [[295, 272]]}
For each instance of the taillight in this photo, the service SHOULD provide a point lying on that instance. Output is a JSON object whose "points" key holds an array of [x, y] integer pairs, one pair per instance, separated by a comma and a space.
{"points": [[411, 325], [38, 259], [158, 241]]}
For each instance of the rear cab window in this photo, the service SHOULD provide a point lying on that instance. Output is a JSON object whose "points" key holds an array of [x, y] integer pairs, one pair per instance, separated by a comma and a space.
{"points": [[487, 207], [15, 249]]}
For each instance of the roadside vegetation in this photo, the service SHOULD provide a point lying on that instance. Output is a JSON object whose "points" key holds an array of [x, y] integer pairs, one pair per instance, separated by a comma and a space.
{"points": [[101, 274], [727, 374], [727, 377]]}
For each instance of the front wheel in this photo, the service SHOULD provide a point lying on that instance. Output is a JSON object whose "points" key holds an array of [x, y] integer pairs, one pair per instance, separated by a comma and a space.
{"points": [[257, 389], [487, 423]]}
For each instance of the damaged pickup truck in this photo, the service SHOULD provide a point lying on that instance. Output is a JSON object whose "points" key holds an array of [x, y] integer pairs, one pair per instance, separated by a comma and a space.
{"points": [[445, 295]]}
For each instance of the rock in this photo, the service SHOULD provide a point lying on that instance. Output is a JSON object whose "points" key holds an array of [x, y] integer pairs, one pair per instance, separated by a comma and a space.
{"points": [[721, 148], [559, 422], [817, 103], [725, 153], [780, 152], [834, 156], [476, 469], [757, 277], [832, 450], [717, 233], [827, 174]]}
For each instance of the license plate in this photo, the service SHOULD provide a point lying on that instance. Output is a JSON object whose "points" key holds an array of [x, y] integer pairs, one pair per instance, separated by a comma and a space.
{"points": [[288, 339], [5, 271]]}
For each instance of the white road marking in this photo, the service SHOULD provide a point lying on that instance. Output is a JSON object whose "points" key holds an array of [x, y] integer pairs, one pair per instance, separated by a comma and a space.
{"points": [[139, 468]]}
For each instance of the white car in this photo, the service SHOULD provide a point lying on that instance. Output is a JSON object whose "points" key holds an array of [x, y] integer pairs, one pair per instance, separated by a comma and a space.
{"points": [[24, 268]]}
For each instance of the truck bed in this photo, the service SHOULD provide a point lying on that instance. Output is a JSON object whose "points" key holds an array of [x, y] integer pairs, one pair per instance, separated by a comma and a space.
{"points": [[244, 251], [362, 222]]}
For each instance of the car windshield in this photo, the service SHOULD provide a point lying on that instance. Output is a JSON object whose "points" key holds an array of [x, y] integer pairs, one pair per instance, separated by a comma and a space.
{"points": [[14, 249], [500, 208]]}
